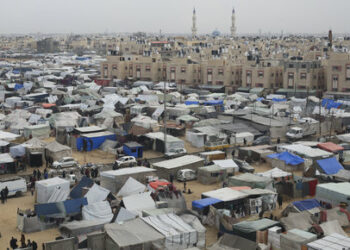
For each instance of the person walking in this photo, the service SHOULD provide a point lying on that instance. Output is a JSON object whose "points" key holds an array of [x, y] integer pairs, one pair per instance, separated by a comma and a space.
{"points": [[6, 193], [280, 200], [233, 153], [39, 174], [34, 245], [23, 241], [13, 243], [278, 140], [2, 194]]}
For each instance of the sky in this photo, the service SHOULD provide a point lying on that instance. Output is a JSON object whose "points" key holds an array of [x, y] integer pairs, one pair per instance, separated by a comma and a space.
{"points": [[173, 16]]}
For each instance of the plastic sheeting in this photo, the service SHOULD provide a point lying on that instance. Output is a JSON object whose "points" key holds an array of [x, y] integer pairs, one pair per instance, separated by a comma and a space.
{"points": [[306, 204], [331, 227], [330, 165], [288, 158], [98, 211], [96, 193], [59, 194], [138, 202], [45, 188], [17, 151], [124, 215], [131, 187], [203, 203]]}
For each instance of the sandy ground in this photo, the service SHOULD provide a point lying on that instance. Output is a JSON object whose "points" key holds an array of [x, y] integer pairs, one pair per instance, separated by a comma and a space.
{"points": [[8, 222]]}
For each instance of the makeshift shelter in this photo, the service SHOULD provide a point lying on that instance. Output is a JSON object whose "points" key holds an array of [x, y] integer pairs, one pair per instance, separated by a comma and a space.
{"points": [[57, 151], [331, 227], [250, 180], [37, 131], [168, 167], [249, 229], [310, 205], [296, 238], [330, 147], [94, 140], [35, 152], [131, 187], [333, 241], [28, 222], [96, 194], [229, 165], [333, 194], [211, 174], [177, 233], [17, 151], [79, 228], [133, 149], [138, 202], [329, 166], [7, 164], [53, 189], [286, 161], [77, 190], [240, 138], [276, 174], [132, 234], [229, 241], [100, 211], [202, 205], [300, 220], [113, 180]]}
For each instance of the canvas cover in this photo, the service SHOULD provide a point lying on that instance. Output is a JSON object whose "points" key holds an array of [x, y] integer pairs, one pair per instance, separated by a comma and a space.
{"points": [[59, 194], [275, 173], [306, 204], [294, 239], [45, 188], [96, 193], [138, 202], [176, 231], [17, 151], [301, 221], [250, 180], [233, 242], [333, 193], [124, 215], [288, 158], [76, 228], [77, 190], [331, 227], [98, 211], [194, 222], [203, 203], [131, 187]]}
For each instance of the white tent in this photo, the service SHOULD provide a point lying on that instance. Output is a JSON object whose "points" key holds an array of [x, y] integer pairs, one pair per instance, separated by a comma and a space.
{"points": [[138, 202], [131, 187], [98, 211], [45, 188], [59, 194], [229, 165], [96, 193], [124, 215]]}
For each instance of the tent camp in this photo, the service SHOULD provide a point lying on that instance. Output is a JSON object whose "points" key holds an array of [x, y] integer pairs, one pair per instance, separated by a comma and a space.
{"points": [[296, 238], [333, 193], [329, 166], [35, 152], [229, 165], [100, 211], [249, 229], [211, 174], [137, 202], [53, 190], [37, 131], [131, 187], [57, 151], [7, 164], [113, 180], [333, 241]]}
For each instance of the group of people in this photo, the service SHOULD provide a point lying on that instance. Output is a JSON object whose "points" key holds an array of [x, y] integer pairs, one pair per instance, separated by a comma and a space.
{"points": [[24, 244], [4, 193]]}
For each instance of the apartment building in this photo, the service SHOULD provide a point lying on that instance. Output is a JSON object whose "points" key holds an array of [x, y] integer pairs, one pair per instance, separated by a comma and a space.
{"points": [[337, 72]]}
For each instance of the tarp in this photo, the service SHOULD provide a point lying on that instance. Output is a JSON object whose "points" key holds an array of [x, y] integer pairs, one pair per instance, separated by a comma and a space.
{"points": [[253, 226], [306, 204], [329, 104], [275, 173], [301, 221], [45, 188], [60, 209], [157, 183], [131, 187], [17, 151], [330, 147], [125, 215], [202, 203], [96, 193], [330, 165], [77, 191], [59, 194], [98, 211], [288, 158], [331, 227], [138, 202]]}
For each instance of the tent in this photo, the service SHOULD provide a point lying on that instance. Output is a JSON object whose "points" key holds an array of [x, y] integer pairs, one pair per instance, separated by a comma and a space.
{"points": [[228, 164], [137, 202], [248, 229], [17, 151], [202, 205], [296, 238], [333, 241], [100, 211], [229, 241], [333, 193], [330, 147], [60, 209], [132, 234], [288, 158], [77, 190], [124, 215], [57, 151], [83, 227], [46, 188], [275, 173], [250, 180], [37, 131], [131, 187], [306, 204], [96, 193], [331, 227], [211, 174], [330, 165]]}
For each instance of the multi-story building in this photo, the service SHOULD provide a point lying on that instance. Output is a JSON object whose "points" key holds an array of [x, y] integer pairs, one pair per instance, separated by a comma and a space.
{"points": [[337, 72]]}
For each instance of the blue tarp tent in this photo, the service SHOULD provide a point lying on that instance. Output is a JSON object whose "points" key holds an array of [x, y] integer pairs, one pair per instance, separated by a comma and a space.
{"points": [[60, 209], [330, 103], [203, 203], [259, 99], [288, 158], [278, 100], [77, 191], [306, 204], [330, 165], [214, 102], [94, 142]]}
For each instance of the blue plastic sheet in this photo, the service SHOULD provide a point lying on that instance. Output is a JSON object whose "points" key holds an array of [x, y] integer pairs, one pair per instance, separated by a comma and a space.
{"points": [[288, 158], [330, 165], [200, 204], [306, 204]]}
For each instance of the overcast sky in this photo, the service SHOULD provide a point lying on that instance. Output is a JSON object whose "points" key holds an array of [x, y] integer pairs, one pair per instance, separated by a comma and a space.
{"points": [[173, 16]]}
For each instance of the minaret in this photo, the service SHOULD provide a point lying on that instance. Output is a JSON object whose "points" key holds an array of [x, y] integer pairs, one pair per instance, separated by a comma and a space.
{"points": [[233, 25], [194, 24]]}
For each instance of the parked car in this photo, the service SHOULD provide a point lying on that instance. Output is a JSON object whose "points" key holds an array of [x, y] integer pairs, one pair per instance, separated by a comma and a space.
{"points": [[126, 161], [175, 152], [262, 140], [65, 162], [244, 166], [186, 175]]}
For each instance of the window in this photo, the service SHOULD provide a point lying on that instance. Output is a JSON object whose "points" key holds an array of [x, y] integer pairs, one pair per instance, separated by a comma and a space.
{"points": [[214, 174], [347, 73], [291, 66], [290, 80], [220, 71], [303, 66], [210, 75], [105, 70], [259, 85], [148, 68], [302, 76], [335, 82], [114, 67], [261, 74], [249, 77], [183, 69], [172, 73], [336, 68]]}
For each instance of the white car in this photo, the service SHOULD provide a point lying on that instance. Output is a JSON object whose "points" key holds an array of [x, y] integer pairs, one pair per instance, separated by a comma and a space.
{"points": [[65, 162], [186, 175], [175, 152], [126, 161]]}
